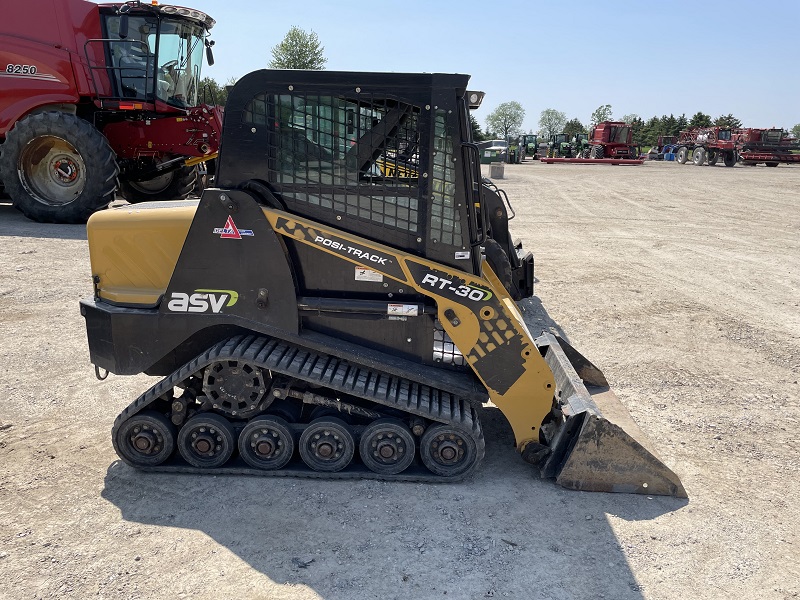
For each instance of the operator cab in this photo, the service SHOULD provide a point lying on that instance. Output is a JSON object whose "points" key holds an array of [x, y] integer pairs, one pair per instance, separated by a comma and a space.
{"points": [[155, 53]]}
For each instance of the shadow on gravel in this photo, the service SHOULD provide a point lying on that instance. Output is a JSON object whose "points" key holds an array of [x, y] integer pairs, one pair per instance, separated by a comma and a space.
{"points": [[14, 224], [503, 533]]}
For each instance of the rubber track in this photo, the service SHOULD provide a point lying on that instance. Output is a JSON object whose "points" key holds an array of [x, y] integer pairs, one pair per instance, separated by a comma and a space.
{"points": [[336, 374]]}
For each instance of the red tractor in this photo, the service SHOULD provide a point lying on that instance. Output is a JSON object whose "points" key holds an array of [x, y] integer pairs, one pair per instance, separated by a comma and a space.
{"points": [[99, 99], [703, 144]]}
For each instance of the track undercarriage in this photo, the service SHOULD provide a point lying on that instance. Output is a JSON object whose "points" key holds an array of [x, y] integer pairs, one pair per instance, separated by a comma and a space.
{"points": [[297, 412]]}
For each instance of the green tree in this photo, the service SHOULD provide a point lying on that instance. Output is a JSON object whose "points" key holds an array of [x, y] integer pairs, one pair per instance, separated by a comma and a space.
{"points": [[551, 122], [630, 118], [728, 121], [506, 119], [602, 113], [212, 92], [298, 50], [477, 134], [700, 119], [573, 127], [796, 131]]}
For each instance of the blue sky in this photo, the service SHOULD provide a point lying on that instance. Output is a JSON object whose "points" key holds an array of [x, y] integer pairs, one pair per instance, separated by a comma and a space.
{"points": [[649, 58]]}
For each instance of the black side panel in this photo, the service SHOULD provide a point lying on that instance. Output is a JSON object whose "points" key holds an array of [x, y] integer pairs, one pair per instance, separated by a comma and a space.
{"points": [[232, 263]]}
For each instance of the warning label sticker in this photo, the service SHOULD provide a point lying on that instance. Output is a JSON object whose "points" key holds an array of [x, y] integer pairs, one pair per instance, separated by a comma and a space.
{"points": [[363, 274], [403, 310]]}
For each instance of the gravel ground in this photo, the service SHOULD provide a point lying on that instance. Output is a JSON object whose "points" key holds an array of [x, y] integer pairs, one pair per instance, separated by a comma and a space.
{"points": [[682, 283]]}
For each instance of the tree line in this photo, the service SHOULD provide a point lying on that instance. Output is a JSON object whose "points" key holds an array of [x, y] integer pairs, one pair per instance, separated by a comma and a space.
{"points": [[506, 121]]}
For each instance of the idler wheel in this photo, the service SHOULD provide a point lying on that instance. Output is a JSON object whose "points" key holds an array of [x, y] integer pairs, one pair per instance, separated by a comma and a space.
{"points": [[145, 440], [447, 451], [387, 446], [207, 440], [266, 443], [327, 445]]}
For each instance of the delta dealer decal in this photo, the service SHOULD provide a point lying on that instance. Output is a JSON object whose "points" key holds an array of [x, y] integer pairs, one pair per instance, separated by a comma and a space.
{"points": [[231, 232]]}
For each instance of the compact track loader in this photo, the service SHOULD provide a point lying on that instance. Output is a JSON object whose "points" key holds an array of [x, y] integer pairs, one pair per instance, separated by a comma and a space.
{"points": [[345, 302]]}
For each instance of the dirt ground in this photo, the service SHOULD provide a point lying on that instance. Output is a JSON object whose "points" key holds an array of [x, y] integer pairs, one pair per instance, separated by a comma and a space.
{"points": [[682, 283]]}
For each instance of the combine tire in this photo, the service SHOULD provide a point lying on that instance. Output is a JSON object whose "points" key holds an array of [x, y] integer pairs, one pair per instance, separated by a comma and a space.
{"points": [[597, 152], [713, 157], [771, 164], [57, 168], [683, 155], [699, 157], [175, 185]]}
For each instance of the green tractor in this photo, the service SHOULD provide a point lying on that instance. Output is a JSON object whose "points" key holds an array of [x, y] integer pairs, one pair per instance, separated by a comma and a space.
{"points": [[581, 146], [560, 146], [530, 145]]}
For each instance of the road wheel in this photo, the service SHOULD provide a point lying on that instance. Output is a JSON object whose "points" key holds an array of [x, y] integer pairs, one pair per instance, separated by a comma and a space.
{"points": [[207, 440], [447, 451], [713, 156], [175, 185], [387, 446], [729, 158], [266, 443], [57, 168], [145, 440], [699, 156], [683, 155], [586, 152], [327, 445]]}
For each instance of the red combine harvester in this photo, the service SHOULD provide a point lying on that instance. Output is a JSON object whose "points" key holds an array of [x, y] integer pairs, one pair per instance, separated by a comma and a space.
{"points": [[610, 143], [768, 146], [707, 144], [98, 99]]}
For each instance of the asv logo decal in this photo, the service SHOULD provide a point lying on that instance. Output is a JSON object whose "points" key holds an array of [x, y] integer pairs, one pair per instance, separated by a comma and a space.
{"points": [[230, 231], [202, 301]]}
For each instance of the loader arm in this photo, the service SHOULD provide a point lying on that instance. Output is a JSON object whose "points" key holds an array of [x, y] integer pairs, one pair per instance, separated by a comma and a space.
{"points": [[476, 312]]}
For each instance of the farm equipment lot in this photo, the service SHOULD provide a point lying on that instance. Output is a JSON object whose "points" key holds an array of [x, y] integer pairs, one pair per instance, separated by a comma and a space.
{"points": [[681, 283]]}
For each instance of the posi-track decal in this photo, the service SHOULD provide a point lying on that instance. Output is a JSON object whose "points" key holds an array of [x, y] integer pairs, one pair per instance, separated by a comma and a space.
{"points": [[355, 252]]}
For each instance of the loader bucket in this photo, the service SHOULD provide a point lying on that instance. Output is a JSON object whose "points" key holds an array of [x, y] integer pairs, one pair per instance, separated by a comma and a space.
{"points": [[598, 447]]}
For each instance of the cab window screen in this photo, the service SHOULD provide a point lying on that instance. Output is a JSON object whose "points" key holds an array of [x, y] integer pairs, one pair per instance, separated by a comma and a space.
{"points": [[355, 156]]}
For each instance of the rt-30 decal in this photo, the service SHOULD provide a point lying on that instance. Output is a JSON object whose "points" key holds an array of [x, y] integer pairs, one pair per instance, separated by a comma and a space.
{"points": [[465, 291], [231, 232], [202, 301]]}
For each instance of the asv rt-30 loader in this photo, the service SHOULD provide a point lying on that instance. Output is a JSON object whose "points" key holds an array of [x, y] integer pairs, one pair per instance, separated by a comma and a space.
{"points": [[344, 302]]}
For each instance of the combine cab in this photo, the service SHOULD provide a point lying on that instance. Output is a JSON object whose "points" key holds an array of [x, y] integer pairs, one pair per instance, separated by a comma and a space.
{"points": [[99, 99], [319, 315]]}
